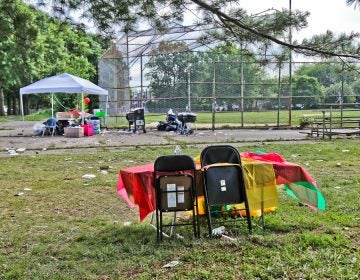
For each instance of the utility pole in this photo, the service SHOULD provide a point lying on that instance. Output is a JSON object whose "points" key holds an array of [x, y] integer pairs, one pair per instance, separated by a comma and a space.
{"points": [[290, 68]]}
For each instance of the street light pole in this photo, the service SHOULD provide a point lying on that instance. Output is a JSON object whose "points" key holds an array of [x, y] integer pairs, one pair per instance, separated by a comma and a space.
{"points": [[189, 89]]}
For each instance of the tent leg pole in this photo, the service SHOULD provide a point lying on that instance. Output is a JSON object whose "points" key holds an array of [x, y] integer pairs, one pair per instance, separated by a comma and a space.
{"points": [[22, 107]]}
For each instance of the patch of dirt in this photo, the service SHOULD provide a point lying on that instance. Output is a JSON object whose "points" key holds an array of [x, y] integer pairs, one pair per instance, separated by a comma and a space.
{"points": [[19, 135]]}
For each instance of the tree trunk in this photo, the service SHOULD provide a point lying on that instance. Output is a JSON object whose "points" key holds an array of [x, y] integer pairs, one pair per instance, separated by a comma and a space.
{"points": [[2, 103], [8, 102], [26, 105], [13, 105]]}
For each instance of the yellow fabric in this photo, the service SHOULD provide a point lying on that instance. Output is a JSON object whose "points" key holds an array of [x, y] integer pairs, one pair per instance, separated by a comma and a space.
{"points": [[260, 184], [261, 188]]}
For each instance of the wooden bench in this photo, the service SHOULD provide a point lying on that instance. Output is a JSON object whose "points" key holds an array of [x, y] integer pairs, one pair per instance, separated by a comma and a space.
{"points": [[329, 125]]}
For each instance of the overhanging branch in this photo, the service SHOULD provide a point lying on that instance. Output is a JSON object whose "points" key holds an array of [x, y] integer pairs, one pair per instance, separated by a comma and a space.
{"points": [[298, 48]]}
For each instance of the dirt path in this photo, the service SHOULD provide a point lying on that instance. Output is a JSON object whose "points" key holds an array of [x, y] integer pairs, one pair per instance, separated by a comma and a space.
{"points": [[17, 135]]}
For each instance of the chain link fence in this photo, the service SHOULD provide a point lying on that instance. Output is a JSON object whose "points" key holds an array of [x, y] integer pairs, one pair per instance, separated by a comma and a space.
{"points": [[225, 90]]}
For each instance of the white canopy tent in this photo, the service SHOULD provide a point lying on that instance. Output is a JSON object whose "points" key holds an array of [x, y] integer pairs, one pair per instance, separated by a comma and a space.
{"points": [[63, 83]]}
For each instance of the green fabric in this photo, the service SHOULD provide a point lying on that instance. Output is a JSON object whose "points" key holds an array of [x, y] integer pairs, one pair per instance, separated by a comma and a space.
{"points": [[307, 193]]}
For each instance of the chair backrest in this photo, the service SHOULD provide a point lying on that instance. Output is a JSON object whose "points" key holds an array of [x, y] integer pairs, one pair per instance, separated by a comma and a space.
{"points": [[219, 154], [51, 122], [171, 163], [174, 182], [224, 183]]}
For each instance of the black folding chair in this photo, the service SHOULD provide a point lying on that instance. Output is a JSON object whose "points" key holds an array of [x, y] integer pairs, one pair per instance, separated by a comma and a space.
{"points": [[223, 183], [174, 177]]}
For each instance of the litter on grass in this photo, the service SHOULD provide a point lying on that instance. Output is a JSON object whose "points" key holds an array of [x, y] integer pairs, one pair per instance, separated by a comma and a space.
{"points": [[88, 176]]}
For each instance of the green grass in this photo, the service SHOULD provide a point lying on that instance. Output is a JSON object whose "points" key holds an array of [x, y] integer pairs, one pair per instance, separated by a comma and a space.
{"points": [[233, 119], [222, 119], [67, 227]]}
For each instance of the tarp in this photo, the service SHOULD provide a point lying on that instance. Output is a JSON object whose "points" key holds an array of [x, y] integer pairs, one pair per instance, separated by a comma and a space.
{"points": [[63, 83], [297, 181]]}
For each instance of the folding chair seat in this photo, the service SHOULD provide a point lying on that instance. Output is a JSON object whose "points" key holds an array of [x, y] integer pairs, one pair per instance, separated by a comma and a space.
{"points": [[174, 177], [50, 126], [224, 185]]}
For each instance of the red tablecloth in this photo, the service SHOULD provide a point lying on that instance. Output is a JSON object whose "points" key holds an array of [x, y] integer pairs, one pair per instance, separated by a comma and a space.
{"points": [[135, 184]]}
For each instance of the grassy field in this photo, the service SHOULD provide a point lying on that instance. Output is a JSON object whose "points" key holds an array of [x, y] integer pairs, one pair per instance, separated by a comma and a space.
{"points": [[222, 119], [227, 118], [67, 227]]}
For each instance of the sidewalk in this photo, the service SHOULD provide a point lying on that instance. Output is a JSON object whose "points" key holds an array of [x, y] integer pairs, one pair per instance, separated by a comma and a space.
{"points": [[18, 134]]}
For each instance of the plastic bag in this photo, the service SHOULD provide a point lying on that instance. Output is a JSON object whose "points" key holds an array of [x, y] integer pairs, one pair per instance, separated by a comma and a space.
{"points": [[37, 129]]}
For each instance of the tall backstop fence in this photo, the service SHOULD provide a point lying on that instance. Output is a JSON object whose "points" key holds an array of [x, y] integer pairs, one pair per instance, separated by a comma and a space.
{"points": [[232, 90]]}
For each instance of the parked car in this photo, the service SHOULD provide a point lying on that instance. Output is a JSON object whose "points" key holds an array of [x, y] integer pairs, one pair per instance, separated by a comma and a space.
{"points": [[235, 107], [298, 106]]}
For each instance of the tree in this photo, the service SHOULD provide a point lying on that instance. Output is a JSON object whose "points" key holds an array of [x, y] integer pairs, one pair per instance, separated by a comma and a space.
{"points": [[329, 73], [227, 15], [339, 94], [33, 45], [17, 35], [355, 3], [307, 91], [171, 72]]}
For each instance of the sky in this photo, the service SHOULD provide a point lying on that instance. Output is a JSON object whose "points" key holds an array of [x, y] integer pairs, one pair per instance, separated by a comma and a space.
{"points": [[332, 15]]}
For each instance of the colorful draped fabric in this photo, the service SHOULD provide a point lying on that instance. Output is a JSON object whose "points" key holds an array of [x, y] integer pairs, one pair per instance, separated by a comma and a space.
{"points": [[297, 182], [262, 174]]}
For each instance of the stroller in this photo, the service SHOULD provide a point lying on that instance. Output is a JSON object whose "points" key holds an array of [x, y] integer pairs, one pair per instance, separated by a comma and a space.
{"points": [[171, 124], [186, 120], [179, 123]]}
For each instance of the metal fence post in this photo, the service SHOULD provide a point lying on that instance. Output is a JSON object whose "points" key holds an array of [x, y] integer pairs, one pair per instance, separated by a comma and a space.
{"points": [[214, 99]]}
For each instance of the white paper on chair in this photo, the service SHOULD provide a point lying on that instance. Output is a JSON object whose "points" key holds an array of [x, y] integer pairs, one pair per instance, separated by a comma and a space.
{"points": [[171, 196], [181, 194], [223, 185]]}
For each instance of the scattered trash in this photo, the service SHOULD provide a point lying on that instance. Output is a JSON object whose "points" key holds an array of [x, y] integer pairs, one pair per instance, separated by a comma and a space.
{"points": [[68, 159], [19, 194], [86, 184], [37, 129], [171, 264], [338, 164], [20, 150], [177, 150], [218, 230], [319, 160], [294, 156], [12, 152], [44, 149], [103, 172], [88, 176], [345, 151], [27, 189], [337, 187], [306, 163], [179, 236], [227, 238], [126, 224]]}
